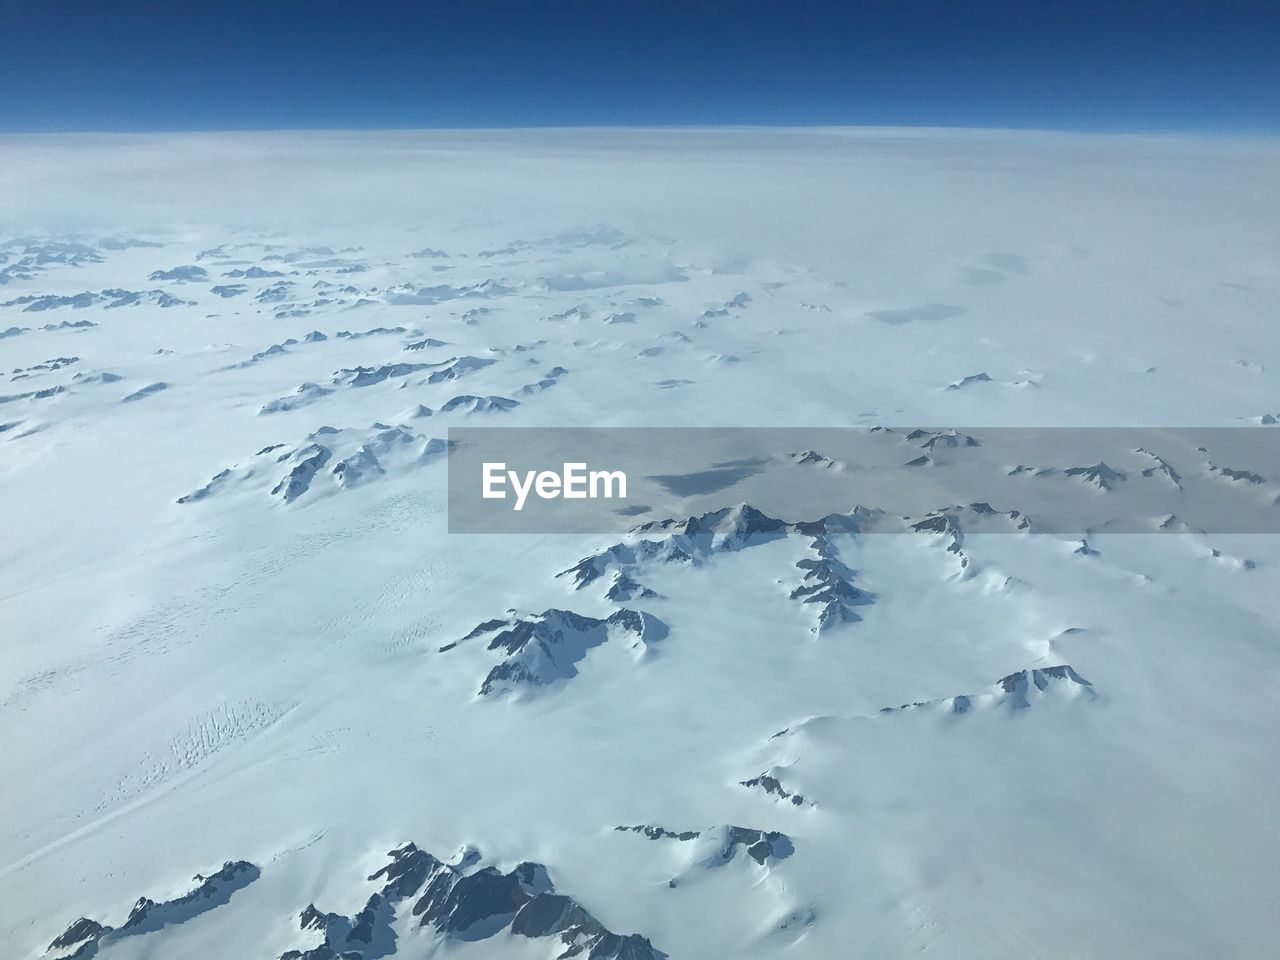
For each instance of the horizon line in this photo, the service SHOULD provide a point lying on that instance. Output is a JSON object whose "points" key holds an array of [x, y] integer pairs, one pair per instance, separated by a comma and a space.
{"points": [[1197, 132]]}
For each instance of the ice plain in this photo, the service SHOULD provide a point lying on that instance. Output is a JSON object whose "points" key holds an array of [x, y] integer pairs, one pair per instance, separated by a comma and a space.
{"points": [[254, 673]]}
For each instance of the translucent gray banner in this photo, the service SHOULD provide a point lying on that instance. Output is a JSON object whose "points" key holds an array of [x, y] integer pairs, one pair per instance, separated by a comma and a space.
{"points": [[1050, 480]]}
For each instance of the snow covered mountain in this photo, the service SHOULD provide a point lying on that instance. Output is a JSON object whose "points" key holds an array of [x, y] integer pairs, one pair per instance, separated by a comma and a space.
{"points": [[257, 700]]}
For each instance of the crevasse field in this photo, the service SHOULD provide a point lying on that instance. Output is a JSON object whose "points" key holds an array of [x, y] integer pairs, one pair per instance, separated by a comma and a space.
{"points": [[256, 702]]}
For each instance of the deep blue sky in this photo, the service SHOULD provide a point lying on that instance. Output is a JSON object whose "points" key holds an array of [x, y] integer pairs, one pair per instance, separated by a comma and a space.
{"points": [[226, 64]]}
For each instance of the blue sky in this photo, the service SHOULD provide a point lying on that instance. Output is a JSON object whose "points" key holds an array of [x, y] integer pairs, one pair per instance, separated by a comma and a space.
{"points": [[279, 64]]}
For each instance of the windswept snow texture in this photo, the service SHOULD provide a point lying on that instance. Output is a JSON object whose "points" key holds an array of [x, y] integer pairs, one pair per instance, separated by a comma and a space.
{"points": [[236, 630]]}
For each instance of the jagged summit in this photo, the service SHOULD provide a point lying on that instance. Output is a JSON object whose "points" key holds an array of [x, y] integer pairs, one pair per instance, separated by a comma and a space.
{"points": [[770, 784], [942, 439], [84, 937], [541, 650], [729, 528], [462, 903], [721, 843], [1096, 475], [1017, 691], [825, 582], [346, 457]]}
